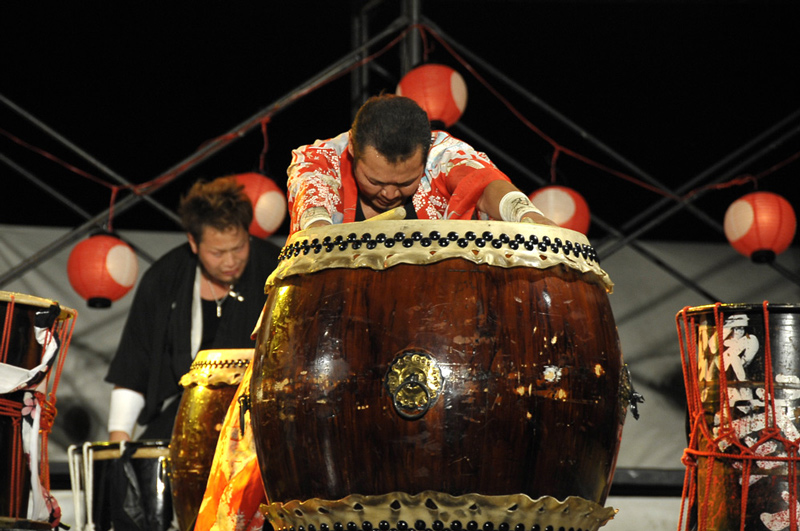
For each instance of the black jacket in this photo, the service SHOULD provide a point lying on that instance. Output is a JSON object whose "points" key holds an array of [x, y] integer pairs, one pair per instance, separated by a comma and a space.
{"points": [[154, 351]]}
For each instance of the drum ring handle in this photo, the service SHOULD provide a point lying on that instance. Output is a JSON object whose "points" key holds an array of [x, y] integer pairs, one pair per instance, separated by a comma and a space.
{"points": [[420, 409], [413, 371], [630, 398]]}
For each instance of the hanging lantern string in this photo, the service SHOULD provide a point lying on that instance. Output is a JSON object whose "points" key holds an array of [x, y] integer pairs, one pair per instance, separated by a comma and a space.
{"points": [[262, 158], [424, 30], [556, 146], [777, 166], [553, 161], [748, 178], [114, 192], [312, 88], [74, 169], [737, 181], [143, 187], [426, 45], [53, 158]]}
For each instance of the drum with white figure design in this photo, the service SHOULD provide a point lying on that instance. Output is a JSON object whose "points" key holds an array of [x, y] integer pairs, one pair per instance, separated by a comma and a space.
{"points": [[742, 376]]}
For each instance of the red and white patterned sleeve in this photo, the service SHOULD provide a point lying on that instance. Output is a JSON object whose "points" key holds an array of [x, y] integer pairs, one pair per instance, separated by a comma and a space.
{"points": [[315, 181], [463, 172]]}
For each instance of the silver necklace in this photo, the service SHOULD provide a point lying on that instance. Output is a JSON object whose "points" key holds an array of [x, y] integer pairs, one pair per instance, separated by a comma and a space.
{"points": [[216, 300]]}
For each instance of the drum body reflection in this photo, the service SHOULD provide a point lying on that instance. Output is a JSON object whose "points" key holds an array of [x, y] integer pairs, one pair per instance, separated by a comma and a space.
{"points": [[479, 358]]}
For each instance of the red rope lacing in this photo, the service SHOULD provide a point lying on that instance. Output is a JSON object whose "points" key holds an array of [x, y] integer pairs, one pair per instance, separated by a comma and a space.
{"points": [[13, 409], [736, 450], [7, 330], [61, 329]]}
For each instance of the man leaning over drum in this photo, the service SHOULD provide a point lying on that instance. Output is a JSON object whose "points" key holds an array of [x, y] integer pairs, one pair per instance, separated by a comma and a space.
{"points": [[391, 159], [391, 164]]}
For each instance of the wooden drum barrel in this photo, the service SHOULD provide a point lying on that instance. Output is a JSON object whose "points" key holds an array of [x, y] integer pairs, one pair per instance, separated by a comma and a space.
{"points": [[208, 389], [743, 392], [457, 372]]}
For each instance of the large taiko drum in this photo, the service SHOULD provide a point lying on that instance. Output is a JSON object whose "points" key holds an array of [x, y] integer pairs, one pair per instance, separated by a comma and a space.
{"points": [[35, 340], [438, 374], [208, 389], [742, 379]]}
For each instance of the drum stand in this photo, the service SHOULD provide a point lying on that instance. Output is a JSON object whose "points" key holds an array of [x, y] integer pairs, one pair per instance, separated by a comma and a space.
{"points": [[82, 462]]}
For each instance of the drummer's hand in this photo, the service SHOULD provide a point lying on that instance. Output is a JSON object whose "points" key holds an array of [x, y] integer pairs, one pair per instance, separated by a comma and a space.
{"points": [[533, 217], [319, 223], [117, 436]]}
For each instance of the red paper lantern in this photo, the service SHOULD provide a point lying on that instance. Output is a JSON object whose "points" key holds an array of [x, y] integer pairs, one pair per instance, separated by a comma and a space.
{"points": [[564, 206], [102, 269], [760, 225], [438, 89], [269, 203]]}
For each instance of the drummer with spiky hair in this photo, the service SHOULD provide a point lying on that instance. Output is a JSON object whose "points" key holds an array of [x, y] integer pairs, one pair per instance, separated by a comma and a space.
{"points": [[206, 293], [390, 159]]}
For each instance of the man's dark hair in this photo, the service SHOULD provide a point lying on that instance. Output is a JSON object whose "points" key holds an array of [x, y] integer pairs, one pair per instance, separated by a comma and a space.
{"points": [[220, 204], [394, 125]]}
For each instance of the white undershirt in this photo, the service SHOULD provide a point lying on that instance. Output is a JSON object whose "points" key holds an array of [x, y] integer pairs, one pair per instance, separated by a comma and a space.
{"points": [[126, 404]]}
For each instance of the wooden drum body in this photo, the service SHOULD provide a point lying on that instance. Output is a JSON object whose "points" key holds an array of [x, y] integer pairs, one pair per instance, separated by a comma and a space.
{"points": [[208, 389], [457, 364], [742, 380]]}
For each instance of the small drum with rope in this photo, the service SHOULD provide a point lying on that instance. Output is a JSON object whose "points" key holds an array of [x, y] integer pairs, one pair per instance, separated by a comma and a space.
{"points": [[208, 389], [36, 337], [742, 377]]}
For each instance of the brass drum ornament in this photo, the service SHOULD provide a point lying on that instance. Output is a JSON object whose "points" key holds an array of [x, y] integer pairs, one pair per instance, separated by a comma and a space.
{"points": [[414, 382], [438, 375]]}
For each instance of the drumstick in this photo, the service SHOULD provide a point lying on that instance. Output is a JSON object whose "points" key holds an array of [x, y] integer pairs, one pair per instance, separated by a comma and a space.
{"points": [[393, 214]]}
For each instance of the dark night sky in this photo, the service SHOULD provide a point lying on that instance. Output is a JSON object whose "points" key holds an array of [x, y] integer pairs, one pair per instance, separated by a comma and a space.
{"points": [[672, 87]]}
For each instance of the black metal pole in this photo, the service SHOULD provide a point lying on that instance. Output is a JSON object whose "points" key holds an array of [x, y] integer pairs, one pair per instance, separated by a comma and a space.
{"points": [[498, 153], [645, 226], [85, 155], [411, 47], [70, 204], [704, 175], [336, 69], [700, 214]]}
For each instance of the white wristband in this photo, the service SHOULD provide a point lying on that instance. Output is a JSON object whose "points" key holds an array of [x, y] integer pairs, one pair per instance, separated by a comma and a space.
{"points": [[124, 410], [514, 205], [313, 215]]}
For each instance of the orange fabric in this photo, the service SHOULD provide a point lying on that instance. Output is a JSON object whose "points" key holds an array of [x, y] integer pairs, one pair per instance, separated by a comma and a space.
{"points": [[234, 491]]}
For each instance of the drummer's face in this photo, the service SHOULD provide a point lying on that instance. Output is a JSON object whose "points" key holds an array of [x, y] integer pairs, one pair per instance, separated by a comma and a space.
{"points": [[383, 185], [223, 254]]}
